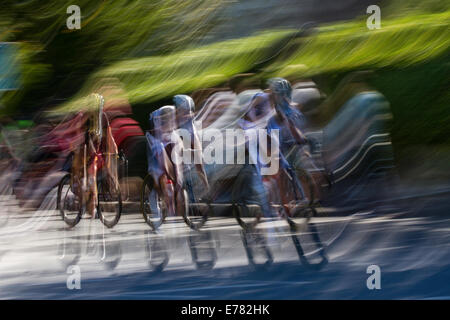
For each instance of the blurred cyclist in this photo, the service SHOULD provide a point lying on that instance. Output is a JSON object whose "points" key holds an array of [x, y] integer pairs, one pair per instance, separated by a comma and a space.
{"points": [[96, 152], [258, 111], [159, 146], [290, 123], [184, 106]]}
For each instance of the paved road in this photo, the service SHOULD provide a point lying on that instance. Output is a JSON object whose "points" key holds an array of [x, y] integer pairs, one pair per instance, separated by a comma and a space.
{"points": [[411, 247]]}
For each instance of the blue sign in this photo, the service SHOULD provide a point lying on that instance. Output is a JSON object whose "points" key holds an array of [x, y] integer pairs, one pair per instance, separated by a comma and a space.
{"points": [[9, 68]]}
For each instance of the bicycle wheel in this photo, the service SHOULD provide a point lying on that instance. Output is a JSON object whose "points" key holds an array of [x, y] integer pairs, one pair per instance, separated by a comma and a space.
{"points": [[152, 204], [307, 241], [193, 216], [109, 202], [68, 203], [304, 233], [307, 183], [244, 217]]}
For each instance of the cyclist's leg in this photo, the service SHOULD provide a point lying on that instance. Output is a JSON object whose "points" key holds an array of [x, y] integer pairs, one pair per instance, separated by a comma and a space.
{"points": [[303, 162], [284, 190], [258, 188], [168, 192], [92, 191], [262, 198], [291, 172], [189, 184]]}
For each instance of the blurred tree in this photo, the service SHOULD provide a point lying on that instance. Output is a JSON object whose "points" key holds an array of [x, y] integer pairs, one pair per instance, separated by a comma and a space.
{"points": [[56, 60], [401, 7]]}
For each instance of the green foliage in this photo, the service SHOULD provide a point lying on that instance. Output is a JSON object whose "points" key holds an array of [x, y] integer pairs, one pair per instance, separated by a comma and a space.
{"points": [[110, 31], [410, 57], [339, 48], [152, 48], [155, 78], [394, 8]]}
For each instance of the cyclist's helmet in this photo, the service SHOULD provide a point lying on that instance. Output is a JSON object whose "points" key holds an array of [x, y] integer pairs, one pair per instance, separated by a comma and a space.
{"points": [[184, 102], [164, 121], [281, 88]]}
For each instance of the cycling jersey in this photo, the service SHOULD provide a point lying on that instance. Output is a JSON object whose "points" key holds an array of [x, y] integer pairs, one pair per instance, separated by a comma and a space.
{"points": [[287, 140]]}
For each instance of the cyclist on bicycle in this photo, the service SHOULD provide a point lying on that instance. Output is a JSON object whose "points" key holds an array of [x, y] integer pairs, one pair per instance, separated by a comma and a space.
{"points": [[95, 153], [184, 106], [159, 146], [290, 122], [258, 111]]}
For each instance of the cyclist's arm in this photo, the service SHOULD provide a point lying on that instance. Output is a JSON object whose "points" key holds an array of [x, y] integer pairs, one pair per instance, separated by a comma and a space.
{"points": [[298, 135]]}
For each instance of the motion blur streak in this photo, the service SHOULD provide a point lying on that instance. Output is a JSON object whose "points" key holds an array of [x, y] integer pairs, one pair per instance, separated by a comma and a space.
{"points": [[349, 169]]}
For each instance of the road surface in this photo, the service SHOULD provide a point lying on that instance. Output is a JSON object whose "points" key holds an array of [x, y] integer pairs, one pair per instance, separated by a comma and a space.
{"points": [[410, 243]]}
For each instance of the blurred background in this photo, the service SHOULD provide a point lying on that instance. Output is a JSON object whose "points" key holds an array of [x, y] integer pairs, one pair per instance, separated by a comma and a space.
{"points": [[139, 54], [160, 48]]}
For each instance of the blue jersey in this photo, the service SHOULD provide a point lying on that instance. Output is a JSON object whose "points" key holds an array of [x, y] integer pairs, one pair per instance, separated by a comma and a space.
{"points": [[286, 137]]}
